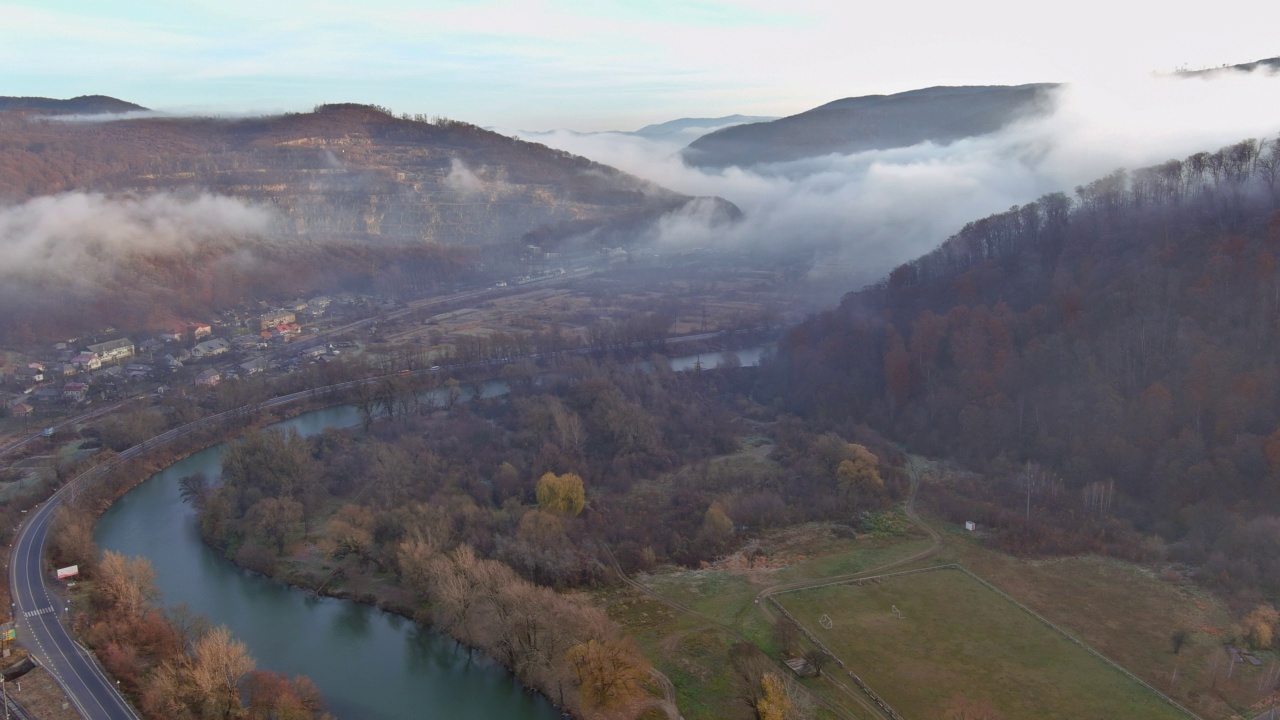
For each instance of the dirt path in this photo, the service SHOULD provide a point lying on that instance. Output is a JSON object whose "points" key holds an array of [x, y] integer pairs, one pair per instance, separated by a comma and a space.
{"points": [[762, 600], [909, 509]]}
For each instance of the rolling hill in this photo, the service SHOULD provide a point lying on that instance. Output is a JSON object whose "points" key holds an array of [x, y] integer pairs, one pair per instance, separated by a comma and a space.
{"points": [[873, 122], [83, 105]]}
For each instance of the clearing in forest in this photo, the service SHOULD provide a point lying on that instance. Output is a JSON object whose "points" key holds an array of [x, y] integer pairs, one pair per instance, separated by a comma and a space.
{"points": [[955, 646]]}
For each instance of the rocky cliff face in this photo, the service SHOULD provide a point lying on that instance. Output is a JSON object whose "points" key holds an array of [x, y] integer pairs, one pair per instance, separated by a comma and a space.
{"points": [[153, 220], [341, 172]]}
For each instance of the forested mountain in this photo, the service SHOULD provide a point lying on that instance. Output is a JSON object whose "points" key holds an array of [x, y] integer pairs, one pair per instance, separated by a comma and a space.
{"points": [[353, 198], [681, 126], [83, 105], [342, 171], [1123, 341], [873, 122]]}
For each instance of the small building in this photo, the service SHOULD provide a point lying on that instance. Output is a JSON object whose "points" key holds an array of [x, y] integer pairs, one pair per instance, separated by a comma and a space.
{"points": [[209, 378], [315, 351], [210, 348], [199, 330], [86, 361], [47, 395], [74, 392], [246, 342], [254, 366], [970, 525], [137, 370], [21, 410], [28, 374], [278, 316], [62, 370], [113, 349]]}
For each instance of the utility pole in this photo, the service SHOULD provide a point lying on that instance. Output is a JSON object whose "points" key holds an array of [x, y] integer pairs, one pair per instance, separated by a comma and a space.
{"points": [[1028, 472]]}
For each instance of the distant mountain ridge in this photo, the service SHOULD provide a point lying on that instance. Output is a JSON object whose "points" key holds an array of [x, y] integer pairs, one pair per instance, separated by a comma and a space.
{"points": [[689, 128], [681, 125], [879, 122], [82, 105], [873, 122]]}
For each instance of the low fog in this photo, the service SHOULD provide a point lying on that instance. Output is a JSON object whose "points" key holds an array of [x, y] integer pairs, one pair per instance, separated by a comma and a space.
{"points": [[869, 211], [76, 237]]}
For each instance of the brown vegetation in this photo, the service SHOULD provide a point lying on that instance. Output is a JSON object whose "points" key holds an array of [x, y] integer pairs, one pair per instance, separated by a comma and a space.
{"points": [[1107, 361]]}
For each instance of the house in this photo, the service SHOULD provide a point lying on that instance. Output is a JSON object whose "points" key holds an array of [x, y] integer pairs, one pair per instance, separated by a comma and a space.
{"points": [[278, 316], [210, 348], [113, 350], [27, 374], [47, 395], [86, 361], [62, 370], [137, 370], [170, 362], [21, 410], [315, 352], [74, 392], [253, 366], [246, 342], [177, 333], [209, 378]]}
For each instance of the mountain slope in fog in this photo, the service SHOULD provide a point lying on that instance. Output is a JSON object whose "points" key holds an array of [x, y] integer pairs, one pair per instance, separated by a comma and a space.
{"points": [[343, 171], [873, 122], [701, 126], [83, 105], [140, 222], [1125, 339]]}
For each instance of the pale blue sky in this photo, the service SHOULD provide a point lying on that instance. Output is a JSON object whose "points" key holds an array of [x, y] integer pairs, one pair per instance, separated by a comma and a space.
{"points": [[602, 64]]}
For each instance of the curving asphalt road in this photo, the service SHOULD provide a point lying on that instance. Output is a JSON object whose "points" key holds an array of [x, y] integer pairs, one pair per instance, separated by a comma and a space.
{"points": [[37, 613], [38, 616]]}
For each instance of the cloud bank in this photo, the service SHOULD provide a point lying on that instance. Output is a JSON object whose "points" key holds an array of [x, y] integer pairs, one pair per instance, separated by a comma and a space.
{"points": [[869, 211], [76, 237]]}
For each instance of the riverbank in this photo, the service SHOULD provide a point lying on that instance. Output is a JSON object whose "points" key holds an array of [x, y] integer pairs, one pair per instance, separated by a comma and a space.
{"points": [[308, 566]]}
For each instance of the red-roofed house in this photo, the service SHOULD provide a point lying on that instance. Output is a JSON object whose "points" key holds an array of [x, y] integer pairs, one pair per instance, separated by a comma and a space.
{"points": [[74, 392]]}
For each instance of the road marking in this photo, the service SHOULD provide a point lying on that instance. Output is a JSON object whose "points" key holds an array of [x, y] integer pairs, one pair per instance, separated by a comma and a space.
{"points": [[41, 611]]}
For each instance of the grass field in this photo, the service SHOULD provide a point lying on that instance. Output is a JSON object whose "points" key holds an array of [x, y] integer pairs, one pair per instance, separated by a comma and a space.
{"points": [[958, 640]]}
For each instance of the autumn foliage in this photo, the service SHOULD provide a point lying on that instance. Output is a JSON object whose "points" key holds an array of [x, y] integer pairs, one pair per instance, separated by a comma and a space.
{"points": [[1123, 339]]}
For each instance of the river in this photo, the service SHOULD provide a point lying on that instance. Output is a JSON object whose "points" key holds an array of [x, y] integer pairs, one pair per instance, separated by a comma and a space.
{"points": [[370, 664]]}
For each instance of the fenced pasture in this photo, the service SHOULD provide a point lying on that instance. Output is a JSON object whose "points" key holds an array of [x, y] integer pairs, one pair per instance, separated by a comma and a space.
{"points": [[943, 641]]}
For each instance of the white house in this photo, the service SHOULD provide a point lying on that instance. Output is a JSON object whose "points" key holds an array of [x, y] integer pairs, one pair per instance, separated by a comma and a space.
{"points": [[210, 348], [113, 349]]}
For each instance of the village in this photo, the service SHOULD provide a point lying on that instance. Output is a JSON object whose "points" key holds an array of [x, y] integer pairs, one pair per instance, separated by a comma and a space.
{"points": [[639, 302], [180, 357]]}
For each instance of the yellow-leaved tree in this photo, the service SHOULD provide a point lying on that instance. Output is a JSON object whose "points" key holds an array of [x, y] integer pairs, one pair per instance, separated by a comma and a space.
{"points": [[1259, 626], [774, 703], [859, 471], [561, 493]]}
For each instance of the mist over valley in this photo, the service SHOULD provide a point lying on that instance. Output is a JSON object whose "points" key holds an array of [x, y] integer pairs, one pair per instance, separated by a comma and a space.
{"points": [[710, 361]]}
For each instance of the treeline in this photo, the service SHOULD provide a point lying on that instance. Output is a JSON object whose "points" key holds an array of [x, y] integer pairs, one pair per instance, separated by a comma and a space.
{"points": [[480, 508], [642, 442], [1124, 341], [173, 663]]}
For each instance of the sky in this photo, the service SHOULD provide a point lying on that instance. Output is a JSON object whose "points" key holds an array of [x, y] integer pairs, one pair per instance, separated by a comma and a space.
{"points": [[592, 64]]}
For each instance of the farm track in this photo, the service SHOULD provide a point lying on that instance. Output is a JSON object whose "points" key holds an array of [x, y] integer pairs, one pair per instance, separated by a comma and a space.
{"points": [[762, 600]]}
